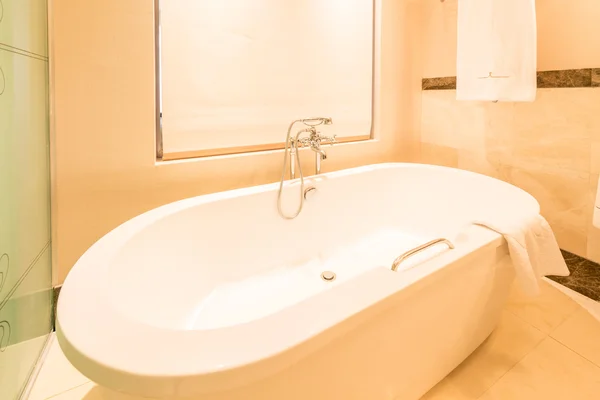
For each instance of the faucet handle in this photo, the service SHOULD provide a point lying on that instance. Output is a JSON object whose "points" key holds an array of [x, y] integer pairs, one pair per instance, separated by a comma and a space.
{"points": [[303, 142], [330, 140]]}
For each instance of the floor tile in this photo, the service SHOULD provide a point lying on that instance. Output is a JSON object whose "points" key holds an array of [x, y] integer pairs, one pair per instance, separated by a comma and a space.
{"points": [[550, 372], [512, 340], [581, 333], [56, 376], [546, 311], [16, 364], [91, 391], [445, 390], [591, 306]]}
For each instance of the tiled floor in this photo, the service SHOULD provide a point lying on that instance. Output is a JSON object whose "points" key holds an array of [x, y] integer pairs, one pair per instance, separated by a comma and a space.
{"points": [[16, 363], [592, 306], [56, 376], [544, 348]]}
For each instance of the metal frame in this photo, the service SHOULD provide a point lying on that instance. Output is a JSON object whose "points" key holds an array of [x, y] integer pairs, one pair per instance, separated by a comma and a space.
{"points": [[157, 72]]}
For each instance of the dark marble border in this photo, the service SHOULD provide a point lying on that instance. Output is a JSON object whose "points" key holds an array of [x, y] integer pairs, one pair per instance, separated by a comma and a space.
{"points": [[447, 83], [584, 278], [565, 79], [596, 77], [568, 78]]}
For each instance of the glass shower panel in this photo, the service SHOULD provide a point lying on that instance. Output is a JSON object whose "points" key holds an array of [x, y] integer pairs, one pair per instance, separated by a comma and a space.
{"points": [[25, 322], [25, 257]]}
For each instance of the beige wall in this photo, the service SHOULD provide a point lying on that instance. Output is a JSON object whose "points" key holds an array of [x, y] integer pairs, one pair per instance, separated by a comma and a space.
{"points": [[551, 147], [103, 95], [567, 35]]}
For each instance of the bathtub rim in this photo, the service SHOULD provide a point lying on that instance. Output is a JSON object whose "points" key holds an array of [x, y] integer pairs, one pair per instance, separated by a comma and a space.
{"points": [[271, 355], [85, 292]]}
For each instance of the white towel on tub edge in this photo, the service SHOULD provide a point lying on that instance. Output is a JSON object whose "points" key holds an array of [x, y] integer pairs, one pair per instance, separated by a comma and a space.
{"points": [[533, 250]]}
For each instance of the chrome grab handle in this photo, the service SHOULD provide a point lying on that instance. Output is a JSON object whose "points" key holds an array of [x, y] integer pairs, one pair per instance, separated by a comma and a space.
{"points": [[418, 249]]}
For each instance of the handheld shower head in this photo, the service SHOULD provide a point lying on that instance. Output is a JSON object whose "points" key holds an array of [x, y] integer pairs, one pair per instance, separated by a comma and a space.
{"points": [[317, 121]]}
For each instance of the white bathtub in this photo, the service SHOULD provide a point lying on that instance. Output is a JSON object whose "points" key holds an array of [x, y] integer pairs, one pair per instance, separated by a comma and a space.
{"points": [[217, 297]]}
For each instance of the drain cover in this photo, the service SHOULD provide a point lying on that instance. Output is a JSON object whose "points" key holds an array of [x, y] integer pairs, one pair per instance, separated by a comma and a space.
{"points": [[328, 276]]}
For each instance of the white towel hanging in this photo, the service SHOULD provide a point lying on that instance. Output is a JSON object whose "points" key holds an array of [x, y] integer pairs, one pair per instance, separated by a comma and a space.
{"points": [[496, 50]]}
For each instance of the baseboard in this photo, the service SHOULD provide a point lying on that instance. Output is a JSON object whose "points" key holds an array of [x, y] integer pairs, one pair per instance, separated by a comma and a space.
{"points": [[55, 294]]}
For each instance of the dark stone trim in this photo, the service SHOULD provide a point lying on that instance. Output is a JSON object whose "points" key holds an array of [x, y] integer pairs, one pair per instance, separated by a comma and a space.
{"points": [[584, 278], [55, 294], [565, 79], [447, 83], [595, 77], [568, 78]]}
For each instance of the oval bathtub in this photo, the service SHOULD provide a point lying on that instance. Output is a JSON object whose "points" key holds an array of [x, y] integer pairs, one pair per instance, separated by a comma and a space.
{"points": [[217, 297]]}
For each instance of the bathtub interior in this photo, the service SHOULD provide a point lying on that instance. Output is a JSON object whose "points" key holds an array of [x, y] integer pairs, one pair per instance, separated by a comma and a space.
{"points": [[226, 261], [244, 300]]}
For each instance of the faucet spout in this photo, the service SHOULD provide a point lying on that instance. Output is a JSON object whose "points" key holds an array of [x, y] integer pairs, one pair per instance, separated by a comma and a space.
{"points": [[320, 152]]}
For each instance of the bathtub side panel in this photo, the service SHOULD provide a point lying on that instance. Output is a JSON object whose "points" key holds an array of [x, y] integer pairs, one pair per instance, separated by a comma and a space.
{"points": [[406, 350]]}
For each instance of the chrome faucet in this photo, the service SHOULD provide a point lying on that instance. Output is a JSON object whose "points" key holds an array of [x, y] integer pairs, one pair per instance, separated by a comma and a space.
{"points": [[316, 147], [316, 139], [292, 145]]}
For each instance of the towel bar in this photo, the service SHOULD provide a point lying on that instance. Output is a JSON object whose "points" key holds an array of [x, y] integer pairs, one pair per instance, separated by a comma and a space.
{"points": [[418, 249]]}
